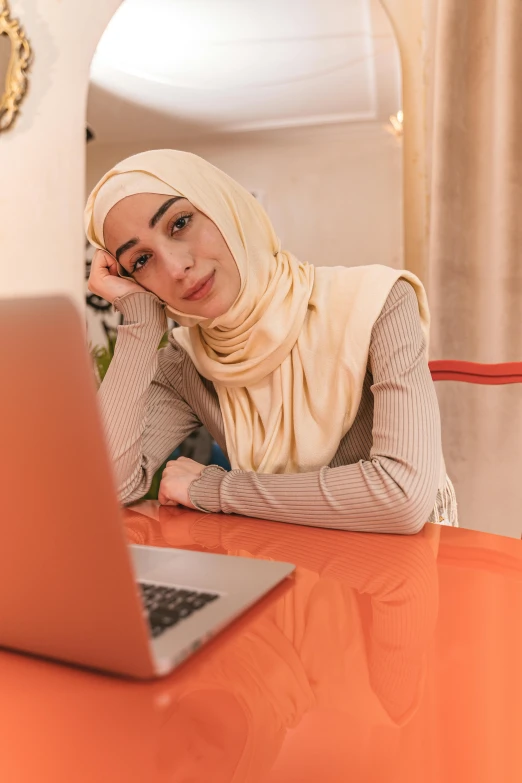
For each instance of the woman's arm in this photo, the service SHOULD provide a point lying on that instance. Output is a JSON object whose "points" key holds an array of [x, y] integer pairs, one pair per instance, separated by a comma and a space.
{"points": [[144, 415], [392, 492]]}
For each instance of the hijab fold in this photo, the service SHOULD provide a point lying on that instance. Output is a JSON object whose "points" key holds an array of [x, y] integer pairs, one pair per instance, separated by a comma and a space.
{"points": [[289, 358]]}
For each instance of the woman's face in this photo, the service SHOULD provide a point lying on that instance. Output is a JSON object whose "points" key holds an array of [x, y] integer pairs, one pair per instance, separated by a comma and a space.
{"points": [[174, 251]]}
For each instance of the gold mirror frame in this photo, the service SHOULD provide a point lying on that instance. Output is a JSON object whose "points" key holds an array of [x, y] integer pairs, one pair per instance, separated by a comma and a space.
{"points": [[15, 87]]}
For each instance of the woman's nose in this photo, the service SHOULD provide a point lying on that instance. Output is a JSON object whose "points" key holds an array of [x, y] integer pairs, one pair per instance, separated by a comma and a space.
{"points": [[179, 264]]}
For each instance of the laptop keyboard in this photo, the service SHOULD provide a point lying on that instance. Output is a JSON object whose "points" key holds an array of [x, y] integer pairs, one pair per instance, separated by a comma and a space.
{"points": [[166, 606]]}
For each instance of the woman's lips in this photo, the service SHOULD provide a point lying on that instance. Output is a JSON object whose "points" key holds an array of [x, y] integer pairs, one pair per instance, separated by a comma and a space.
{"points": [[204, 288]]}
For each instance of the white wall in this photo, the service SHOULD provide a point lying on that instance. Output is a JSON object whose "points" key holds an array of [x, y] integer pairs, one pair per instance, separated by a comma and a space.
{"points": [[42, 157], [334, 193], [410, 21], [42, 169]]}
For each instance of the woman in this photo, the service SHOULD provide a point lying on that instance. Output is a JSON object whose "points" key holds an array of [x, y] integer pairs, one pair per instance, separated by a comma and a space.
{"points": [[313, 380]]}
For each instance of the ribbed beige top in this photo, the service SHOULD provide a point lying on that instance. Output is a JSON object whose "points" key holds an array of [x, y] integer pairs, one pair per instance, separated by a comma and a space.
{"points": [[383, 478]]}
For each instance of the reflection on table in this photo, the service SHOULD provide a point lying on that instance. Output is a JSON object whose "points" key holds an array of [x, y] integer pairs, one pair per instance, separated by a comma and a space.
{"points": [[388, 658]]}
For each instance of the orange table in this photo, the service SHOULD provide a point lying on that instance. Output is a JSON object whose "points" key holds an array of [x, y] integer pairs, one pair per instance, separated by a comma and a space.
{"points": [[394, 659]]}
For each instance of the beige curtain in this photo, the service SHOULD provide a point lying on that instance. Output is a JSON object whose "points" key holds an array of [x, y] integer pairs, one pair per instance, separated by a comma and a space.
{"points": [[475, 247]]}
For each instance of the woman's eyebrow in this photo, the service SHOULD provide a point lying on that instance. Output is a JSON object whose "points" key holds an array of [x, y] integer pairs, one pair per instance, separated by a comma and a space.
{"points": [[161, 211], [125, 247]]}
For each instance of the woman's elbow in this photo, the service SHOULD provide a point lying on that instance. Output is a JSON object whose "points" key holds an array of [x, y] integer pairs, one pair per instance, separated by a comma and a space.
{"points": [[134, 488], [411, 497], [412, 515]]}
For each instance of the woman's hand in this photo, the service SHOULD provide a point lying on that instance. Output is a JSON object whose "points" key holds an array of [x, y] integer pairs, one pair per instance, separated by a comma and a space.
{"points": [[104, 280], [176, 480]]}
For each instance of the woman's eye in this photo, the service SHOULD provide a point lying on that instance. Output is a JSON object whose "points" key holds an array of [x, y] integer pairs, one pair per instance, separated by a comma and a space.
{"points": [[140, 263], [181, 223]]}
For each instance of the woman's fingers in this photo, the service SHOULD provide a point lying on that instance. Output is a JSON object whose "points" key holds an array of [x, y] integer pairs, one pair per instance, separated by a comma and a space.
{"points": [[104, 280], [112, 265], [175, 482]]}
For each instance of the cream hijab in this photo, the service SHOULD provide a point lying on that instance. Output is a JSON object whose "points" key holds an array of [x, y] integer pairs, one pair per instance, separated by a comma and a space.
{"points": [[288, 360]]}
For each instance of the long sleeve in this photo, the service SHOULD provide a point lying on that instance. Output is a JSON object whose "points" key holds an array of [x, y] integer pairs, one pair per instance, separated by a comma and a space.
{"points": [[392, 492], [144, 415]]}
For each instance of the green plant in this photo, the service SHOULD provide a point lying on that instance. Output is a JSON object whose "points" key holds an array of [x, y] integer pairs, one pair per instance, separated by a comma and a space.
{"points": [[102, 356]]}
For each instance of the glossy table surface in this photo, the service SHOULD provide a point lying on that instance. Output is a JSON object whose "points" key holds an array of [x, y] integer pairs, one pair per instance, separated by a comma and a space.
{"points": [[394, 659]]}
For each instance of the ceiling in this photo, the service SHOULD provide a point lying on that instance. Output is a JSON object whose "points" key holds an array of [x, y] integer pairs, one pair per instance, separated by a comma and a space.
{"points": [[171, 68]]}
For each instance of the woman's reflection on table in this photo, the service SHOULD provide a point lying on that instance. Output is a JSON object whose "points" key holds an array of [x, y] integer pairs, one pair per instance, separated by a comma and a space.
{"points": [[336, 666]]}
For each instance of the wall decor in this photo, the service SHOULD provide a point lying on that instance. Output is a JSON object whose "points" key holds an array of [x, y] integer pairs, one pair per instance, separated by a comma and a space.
{"points": [[15, 59]]}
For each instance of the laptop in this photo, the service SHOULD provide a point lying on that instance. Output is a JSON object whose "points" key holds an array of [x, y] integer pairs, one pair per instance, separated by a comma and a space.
{"points": [[71, 588]]}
